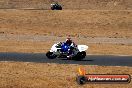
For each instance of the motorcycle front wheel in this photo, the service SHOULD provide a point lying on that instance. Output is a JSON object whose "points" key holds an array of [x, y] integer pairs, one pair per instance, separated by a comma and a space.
{"points": [[51, 55]]}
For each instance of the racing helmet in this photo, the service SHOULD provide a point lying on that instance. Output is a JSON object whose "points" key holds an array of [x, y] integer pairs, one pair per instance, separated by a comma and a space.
{"points": [[68, 41]]}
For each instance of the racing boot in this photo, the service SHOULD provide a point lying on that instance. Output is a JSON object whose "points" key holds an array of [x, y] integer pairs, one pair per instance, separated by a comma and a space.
{"points": [[69, 57]]}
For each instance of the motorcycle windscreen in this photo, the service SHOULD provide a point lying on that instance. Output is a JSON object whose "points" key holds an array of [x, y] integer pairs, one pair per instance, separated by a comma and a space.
{"points": [[82, 47], [53, 48]]}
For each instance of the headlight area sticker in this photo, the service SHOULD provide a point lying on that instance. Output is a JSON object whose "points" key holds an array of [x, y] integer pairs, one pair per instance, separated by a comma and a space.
{"points": [[83, 78]]}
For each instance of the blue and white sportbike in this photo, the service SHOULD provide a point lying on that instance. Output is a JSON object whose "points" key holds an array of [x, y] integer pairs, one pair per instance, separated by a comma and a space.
{"points": [[61, 50]]}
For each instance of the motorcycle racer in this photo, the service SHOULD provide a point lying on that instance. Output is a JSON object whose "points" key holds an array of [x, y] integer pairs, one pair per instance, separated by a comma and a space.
{"points": [[71, 46], [67, 46], [67, 49]]}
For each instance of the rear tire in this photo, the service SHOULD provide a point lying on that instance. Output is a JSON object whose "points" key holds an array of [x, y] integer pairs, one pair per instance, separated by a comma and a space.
{"points": [[50, 55], [83, 54], [59, 8], [80, 56]]}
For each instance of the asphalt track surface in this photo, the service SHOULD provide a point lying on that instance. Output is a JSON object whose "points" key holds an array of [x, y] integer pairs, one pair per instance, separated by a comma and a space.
{"points": [[101, 60]]}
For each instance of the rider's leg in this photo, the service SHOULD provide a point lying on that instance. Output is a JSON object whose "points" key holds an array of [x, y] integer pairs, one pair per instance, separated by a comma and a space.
{"points": [[70, 53]]}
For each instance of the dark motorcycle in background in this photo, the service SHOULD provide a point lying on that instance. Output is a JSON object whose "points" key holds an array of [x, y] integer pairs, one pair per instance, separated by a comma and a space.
{"points": [[56, 6]]}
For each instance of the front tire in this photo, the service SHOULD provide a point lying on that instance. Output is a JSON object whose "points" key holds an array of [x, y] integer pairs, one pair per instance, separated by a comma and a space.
{"points": [[51, 55], [52, 8]]}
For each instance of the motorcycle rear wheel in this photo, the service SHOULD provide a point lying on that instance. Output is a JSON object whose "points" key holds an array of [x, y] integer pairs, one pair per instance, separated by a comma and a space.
{"points": [[80, 56]]}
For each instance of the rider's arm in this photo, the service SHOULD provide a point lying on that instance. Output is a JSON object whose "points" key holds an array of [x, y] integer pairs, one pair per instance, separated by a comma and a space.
{"points": [[73, 44]]}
